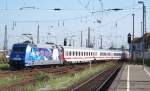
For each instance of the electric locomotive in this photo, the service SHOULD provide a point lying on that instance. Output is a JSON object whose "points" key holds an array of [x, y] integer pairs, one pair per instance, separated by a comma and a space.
{"points": [[28, 55]]}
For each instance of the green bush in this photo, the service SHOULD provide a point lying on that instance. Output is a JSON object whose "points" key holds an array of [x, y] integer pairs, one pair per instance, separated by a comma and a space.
{"points": [[4, 66], [41, 76]]}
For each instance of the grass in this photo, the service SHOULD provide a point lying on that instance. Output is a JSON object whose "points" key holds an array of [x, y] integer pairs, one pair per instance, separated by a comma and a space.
{"points": [[41, 76], [4, 66], [9, 80], [60, 83], [49, 82], [41, 81]]}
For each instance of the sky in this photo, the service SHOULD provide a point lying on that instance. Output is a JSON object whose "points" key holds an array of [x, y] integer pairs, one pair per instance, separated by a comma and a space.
{"points": [[23, 16]]}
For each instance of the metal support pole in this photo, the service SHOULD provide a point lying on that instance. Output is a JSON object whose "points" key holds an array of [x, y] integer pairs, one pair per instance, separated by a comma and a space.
{"points": [[90, 64], [145, 18], [101, 42], [89, 37], [132, 55], [81, 38], [143, 44], [5, 39], [69, 42], [38, 39], [143, 33]]}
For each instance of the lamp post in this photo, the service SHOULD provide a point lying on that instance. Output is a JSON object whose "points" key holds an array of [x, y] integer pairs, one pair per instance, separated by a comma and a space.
{"points": [[132, 53], [141, 2]]}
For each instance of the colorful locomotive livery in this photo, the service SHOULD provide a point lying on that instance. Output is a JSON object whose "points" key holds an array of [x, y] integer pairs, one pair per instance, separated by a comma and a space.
{"points": [[23, 55], [27, 55]]}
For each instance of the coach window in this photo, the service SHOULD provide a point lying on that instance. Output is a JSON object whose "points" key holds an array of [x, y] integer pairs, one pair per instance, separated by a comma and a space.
{"points": [[100, 54], [69, 53], [73, 53], [76, 53]]}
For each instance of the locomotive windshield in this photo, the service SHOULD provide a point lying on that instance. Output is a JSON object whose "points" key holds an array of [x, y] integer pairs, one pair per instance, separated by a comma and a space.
{"points": [[19, 49]]}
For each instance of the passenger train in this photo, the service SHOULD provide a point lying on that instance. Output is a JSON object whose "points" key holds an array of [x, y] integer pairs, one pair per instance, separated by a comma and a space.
{"points": [[28, 55]]}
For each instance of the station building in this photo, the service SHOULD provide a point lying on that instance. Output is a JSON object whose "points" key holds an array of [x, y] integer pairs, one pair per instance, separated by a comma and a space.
{"points": [[136, 46]]}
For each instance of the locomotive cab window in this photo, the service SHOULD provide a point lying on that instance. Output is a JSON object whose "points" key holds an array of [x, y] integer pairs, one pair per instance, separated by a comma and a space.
{"points": [[19, 49]]}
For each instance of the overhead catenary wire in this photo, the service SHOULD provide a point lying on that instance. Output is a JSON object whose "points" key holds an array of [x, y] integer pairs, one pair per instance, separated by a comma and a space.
{"points": [[65, 19]]}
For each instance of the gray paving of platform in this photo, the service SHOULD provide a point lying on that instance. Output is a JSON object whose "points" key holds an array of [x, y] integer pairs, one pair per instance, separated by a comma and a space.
{"points": [[139, 79]]}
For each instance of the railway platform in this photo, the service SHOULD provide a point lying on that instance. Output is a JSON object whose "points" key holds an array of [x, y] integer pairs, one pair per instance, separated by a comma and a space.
{"points": [[132, 78]]}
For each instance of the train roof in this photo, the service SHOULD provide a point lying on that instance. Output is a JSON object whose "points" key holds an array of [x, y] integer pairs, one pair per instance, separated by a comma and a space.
{"points": [[33, 45], [24, 44], [82, 48], [66, 47]]}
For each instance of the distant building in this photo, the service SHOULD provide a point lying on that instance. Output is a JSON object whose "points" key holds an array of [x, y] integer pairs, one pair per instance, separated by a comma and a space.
{"points": [[137, 45], [137, 42]]}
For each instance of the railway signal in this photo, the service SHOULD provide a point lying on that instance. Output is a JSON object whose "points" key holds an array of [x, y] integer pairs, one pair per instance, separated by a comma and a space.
{"points": [[65, 41], [129, 38]]}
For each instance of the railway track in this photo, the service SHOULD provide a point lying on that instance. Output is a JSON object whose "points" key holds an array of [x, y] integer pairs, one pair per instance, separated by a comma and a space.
{"points": [[99, 82], [53, 70], [30, 78]]}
